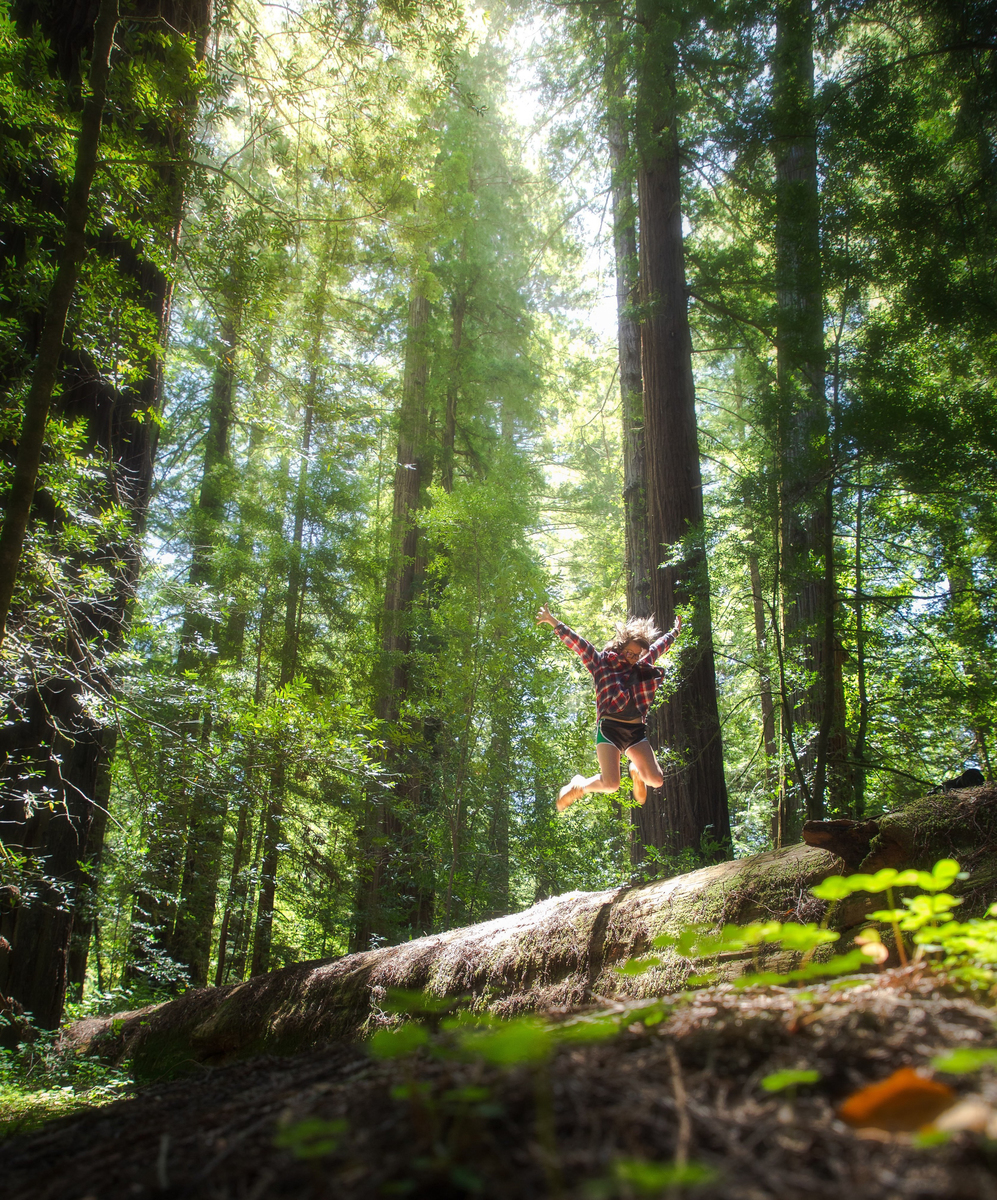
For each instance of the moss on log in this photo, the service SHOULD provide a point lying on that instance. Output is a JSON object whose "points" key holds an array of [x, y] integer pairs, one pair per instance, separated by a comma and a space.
{"points": [[561, 953]]}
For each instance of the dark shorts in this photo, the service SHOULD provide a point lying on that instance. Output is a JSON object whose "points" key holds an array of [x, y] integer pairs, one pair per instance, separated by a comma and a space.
{"points": [[620, 734]]}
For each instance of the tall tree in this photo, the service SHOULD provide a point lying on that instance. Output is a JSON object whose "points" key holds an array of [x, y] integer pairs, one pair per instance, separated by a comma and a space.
{"points": [[803, 436], [694, 796], [638, 547]]}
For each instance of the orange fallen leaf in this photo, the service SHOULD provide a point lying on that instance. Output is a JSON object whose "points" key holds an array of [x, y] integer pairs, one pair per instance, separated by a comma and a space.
{"points": [[905, 1101]]}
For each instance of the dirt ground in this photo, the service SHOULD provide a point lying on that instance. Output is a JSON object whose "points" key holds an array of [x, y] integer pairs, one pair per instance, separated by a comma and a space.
{"points": [[583, 1124]]}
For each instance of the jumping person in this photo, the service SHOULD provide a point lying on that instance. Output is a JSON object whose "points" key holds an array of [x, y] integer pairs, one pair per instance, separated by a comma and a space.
{"points": [[625, 682]]}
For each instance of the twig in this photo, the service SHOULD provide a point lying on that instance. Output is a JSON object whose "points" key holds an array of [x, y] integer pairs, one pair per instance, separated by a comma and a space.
{"points": [[682, 1111]]}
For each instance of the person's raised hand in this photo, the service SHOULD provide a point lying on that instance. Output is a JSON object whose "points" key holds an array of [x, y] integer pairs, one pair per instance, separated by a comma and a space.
{"points": [[678, 624], [545, 617]]}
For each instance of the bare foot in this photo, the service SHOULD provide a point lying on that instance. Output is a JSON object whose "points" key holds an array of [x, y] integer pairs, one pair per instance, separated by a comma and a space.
{"points": [[571, 792], [640, 787]]}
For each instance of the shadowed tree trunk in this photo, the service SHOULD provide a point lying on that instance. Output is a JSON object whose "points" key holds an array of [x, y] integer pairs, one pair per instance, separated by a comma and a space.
{"points": [[805, 535], [687, 726]]}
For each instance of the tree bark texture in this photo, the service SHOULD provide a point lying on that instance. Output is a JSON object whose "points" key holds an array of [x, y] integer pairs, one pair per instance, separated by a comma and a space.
{"points": [[55, 756], [637, 562], [694, 796], [807, 573], [561, 952]]}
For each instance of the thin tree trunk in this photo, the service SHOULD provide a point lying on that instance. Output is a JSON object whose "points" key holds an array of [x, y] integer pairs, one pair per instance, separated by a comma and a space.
{"points": [[47, 361], [694, 797], [236, 885], [971, 638], [214, 492], [764, 679], [274, 817], [458, 309], [390, 895], [190, 942], [860, 665]]}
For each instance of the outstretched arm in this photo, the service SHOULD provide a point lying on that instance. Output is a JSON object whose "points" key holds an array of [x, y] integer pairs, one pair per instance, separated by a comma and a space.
{"points": [[585, 650], [665, 642]]}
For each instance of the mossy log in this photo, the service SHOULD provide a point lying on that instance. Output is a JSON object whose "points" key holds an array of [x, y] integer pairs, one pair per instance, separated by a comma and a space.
{"points": [[562, 952]]}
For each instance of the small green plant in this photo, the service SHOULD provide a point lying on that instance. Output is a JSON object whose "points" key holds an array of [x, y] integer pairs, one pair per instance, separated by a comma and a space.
{"points": [[637, 1176], [779, 1081], [964, 1060], [967, 950]]}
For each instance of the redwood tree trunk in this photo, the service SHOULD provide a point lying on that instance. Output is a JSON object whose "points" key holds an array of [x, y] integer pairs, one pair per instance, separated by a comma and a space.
{"points": [[807, 566], [694, 796], [638, 564]]}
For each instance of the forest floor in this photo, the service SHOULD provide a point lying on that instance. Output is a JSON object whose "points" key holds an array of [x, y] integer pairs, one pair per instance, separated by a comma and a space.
{"points": [[592, 1118]]}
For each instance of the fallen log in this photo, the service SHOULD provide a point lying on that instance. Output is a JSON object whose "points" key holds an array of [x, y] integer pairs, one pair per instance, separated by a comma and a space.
{"points": [[561, 953]]}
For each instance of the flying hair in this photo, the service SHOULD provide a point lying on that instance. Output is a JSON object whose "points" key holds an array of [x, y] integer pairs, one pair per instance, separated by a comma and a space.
{"points": [[635, 629]]}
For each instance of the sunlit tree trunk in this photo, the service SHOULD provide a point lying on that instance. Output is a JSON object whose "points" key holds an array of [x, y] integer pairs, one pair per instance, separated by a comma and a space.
{"points": [[694, 797], [764, 681], [17, 502]]}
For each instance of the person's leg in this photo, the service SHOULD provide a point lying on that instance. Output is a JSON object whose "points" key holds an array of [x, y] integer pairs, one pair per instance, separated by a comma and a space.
{"points": [[645, 770], [608, 779]]}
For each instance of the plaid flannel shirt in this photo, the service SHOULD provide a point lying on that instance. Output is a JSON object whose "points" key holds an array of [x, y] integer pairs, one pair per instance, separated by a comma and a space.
{"points": [[611, 672]]}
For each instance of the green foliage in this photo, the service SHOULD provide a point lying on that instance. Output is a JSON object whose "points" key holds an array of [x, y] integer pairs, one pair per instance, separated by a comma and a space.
{"points": [[638, 1176], [41, 1079], [398, 1040], [779, 1081], [837, 887], [517, 1040], [311, 1138], [964, 1061]]}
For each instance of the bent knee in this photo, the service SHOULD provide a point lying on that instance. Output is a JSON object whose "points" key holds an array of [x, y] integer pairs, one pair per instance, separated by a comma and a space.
{"points": [[654, 778]]}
